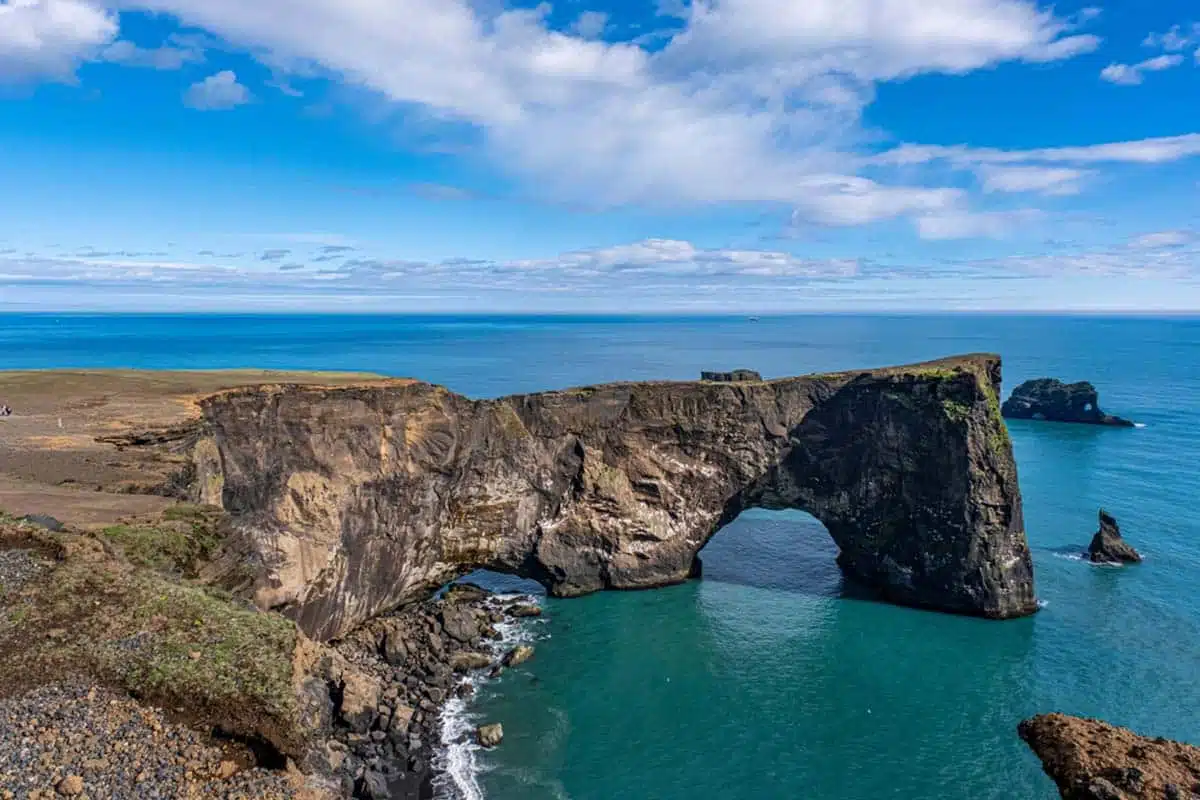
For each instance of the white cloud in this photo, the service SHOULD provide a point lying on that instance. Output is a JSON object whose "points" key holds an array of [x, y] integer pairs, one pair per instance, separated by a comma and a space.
{"points": [[50, 38], [1175, 39], [1132, 75], [1042, 180], [844, 201], [748, 101], [969, 225], [166, 57], [1158, 150], [590, 24], [218, 92], [1162, 239]]}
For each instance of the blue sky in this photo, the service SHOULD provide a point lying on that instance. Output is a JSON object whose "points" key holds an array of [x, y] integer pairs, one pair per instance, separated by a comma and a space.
{"points": [[599, 155]]}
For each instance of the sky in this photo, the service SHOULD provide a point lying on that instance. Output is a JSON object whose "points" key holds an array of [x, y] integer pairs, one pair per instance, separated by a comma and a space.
{"points": [[680, 156]]}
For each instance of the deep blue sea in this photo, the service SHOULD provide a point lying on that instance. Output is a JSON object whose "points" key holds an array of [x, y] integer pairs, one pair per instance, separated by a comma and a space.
{"points": [[762, 680]]}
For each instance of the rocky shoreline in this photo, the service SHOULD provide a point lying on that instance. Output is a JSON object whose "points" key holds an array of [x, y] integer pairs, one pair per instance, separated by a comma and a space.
{"points": [[389, 731]]}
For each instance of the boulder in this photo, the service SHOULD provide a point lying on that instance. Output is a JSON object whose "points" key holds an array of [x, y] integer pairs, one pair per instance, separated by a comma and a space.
{"points": [[489, 735], [518, 655], [1052, 400], [467, 660], [395, 648], [360, 700], [44, 521], [465, 593], [1108, 547], [460, 623], [520, 610]]}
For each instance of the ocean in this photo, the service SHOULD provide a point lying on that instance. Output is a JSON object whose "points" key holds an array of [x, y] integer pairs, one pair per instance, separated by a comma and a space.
{"points": [[769, 678]]}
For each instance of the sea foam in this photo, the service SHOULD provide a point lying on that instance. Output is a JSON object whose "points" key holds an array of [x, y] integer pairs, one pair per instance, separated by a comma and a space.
{"points": [[458, 762]]}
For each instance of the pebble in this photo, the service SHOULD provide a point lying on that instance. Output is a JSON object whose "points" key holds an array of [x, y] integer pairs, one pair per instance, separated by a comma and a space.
{"points": [[80, 741]]}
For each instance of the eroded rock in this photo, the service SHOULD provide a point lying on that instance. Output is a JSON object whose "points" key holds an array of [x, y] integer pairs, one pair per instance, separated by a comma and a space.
{"points": [[1108, 547], [1092, 760], [363, 498], [1051, 400]]}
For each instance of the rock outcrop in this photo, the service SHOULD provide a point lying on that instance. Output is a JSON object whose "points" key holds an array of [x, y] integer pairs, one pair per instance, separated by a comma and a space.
{"points": [[1092, 760], [1108, 547], [737, 376], [1052, 400], [357, 499]]}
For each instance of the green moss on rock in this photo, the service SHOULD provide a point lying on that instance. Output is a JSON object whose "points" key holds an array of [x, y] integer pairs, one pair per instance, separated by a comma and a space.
{"points": [[185, 536]]}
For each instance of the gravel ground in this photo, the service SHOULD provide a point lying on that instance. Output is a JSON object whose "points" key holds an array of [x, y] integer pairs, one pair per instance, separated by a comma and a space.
{"points": [[18, 567], [90, 743]]}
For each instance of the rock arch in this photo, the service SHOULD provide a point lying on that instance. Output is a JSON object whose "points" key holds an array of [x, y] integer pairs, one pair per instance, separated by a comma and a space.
{"points": [[358, 499]]}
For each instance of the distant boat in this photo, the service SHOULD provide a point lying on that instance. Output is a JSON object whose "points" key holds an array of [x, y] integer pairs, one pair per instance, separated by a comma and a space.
{"points": [[754, 319]]}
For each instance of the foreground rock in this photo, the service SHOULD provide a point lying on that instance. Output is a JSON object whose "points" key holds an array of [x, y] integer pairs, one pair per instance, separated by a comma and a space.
{"points": [[1108, 547], [1052, 400], [490, 735], [361, 499], [1091, 760]]}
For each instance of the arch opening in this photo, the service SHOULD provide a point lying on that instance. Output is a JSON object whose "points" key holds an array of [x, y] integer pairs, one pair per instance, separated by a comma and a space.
{"points": [[785, 549]]}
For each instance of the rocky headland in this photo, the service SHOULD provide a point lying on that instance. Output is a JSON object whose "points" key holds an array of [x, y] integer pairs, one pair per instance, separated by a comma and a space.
{"points": [[261, 563], [1108, 547], [1051, 400], [358, 499], [1092, 760]]}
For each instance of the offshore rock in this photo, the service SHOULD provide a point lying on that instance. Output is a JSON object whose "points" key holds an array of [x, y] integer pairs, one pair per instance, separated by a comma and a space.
{"points": [[1054, 401], [490, 735], [1092, 760], [354, 500], [1108, 547]]}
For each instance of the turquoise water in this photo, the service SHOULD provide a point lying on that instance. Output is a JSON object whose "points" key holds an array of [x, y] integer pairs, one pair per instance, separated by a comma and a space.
{"points": [[768, 679]]}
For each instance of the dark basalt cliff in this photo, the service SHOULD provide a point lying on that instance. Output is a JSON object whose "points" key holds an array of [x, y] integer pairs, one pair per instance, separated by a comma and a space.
{"points": [[1092, 760], [357, 499], [1052, 400]]}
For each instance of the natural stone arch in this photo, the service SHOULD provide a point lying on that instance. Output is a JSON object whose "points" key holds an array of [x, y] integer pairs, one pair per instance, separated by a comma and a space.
{"points": [[359, 499]]}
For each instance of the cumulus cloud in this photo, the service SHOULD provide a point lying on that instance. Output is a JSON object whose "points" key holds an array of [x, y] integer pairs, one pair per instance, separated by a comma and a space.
{"points": [[767, 95], [48, 39], [1134, 74], [218, 92]]}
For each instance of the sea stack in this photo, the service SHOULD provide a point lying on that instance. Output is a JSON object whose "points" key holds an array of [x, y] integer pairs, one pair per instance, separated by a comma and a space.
{"points": [[1089, 760], [1108, 547], [1052, 400]]}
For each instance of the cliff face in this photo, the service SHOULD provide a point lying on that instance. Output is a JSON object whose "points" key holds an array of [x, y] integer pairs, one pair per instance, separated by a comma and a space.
{"points": [[358, 499]]}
